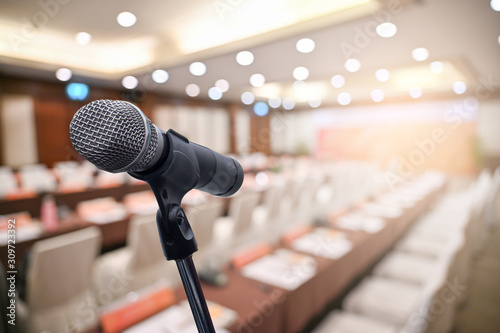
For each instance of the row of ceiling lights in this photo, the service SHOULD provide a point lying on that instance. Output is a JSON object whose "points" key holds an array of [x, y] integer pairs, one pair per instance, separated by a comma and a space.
{"points": [[301, 73]]}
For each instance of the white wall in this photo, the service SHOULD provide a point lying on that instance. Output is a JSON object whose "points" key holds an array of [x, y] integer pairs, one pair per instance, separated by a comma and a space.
{"points": [[488, 127], [292, 132], [207, 127], [242, 124], [17, 118]]}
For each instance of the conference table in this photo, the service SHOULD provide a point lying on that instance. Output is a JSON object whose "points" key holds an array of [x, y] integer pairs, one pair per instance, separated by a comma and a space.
{"points": [[264, 308], [261, 307]]}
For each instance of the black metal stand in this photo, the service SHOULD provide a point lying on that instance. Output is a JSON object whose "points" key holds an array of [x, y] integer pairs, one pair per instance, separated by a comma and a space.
{"points": [[179, 244], [170, 182], [195, 295]]}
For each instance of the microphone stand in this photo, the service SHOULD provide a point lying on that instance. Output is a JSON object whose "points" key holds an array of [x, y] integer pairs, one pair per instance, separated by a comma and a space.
{"points": [[169, 184]]}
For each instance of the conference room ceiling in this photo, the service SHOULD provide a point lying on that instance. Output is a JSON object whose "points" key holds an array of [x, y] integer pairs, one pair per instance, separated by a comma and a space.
{"points": [[38, 37]]}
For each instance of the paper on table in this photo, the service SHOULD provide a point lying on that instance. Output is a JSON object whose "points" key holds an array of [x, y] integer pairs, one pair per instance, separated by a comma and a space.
{"points": [[373, 225], [283, 269], [359, 221], [113, 215], [221, 316], [175, 319], [143, 203], [379, 210], [102, 210], [23, 233], [319, 243], [398, 200]]}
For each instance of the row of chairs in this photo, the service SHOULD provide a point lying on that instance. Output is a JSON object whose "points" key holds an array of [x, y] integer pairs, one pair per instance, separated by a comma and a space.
{"points": [[419, 286], [37, 178], [69, 284]]}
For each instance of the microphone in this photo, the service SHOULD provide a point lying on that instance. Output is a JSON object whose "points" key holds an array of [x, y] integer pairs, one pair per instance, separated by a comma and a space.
{"points": [[116, 136]]}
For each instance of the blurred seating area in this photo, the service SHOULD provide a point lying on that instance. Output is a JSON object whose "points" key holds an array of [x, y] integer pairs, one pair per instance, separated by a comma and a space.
{"points": [[305, 245]]}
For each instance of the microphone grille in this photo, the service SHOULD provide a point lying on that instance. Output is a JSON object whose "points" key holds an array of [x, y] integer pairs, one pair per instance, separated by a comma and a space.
{"points": [[113, 135]]}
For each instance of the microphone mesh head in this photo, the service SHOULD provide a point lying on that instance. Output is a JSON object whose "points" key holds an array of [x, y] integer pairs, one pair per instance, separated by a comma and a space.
{"points": [[112, 135]]}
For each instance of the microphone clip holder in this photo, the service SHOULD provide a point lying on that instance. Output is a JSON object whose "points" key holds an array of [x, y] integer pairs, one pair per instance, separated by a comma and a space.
{"points": [[170, 181]]}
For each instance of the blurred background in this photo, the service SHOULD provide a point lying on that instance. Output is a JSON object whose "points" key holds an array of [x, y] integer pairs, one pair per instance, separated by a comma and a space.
{"points": [[368, 130]]}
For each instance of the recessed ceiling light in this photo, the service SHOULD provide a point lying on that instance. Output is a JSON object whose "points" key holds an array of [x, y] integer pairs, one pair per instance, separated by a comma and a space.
{"points": [[495, 5], [386, 29], [247, 98], [498, 39], [300, 73], [305, 45], [192, 90], [382, 75], [64, 74], [244, 58], [420, 54], [83, 38], [437, 67], [160, 76], [126, 19], [257, 80], [415, 91], [288, 103], [197, 68], [344, 98], [274, 102], [261, 109], [352, 65], [299, 85], [459, 87], [222, 84], [130, 82], [214, 93], [315, 103], [337, 81], [377, 95]]}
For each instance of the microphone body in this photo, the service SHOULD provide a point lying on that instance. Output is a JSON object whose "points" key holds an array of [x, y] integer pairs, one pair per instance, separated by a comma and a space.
{"points": [[116, 136]]}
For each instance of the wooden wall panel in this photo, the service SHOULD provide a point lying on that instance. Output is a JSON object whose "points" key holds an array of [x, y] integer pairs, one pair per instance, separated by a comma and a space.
{"points": [[53, 112], [52, 123], [260, 134]]}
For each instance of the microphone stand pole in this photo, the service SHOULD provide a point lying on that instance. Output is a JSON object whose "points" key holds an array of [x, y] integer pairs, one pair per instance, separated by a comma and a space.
{"points": [[195, 295], [179, 244]]}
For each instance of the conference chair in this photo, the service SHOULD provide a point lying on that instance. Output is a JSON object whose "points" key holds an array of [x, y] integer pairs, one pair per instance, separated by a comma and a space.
{"points": [[232, 232], [138, 265], [414, 308], [38, 178], [383, 299], [267, 217], [406, 267], [8, 181], [294, 188], [202, 217], [308, 203], [348, 322], [474, 230], [58, 283], [429, 235], [490, 216]]}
